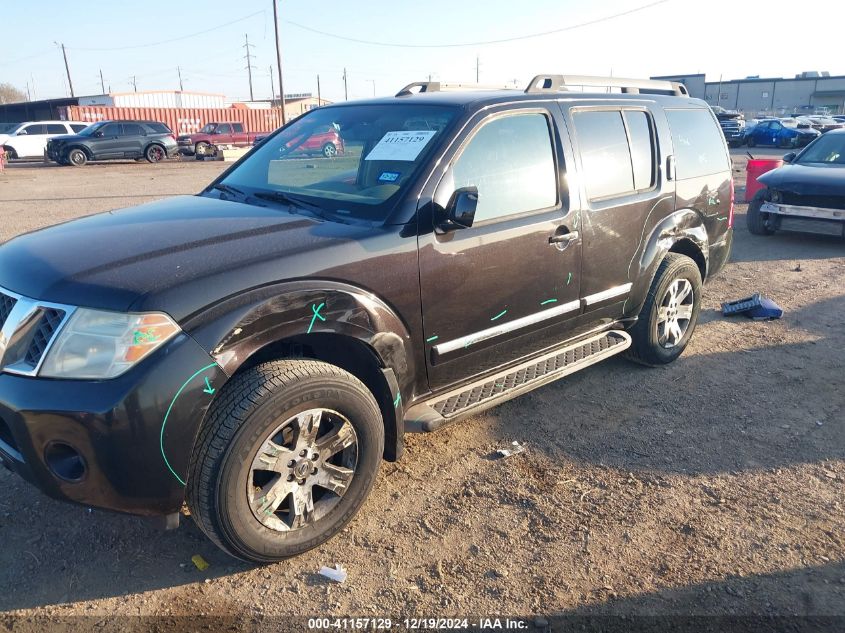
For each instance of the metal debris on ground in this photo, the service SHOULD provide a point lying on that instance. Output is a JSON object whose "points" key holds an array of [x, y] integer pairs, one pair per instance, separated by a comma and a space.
{"points": [[199, 562], [755, 307], [516, 449], [338, 573]]}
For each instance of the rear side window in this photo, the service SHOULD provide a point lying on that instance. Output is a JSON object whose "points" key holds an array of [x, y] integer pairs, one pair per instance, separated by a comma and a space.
{"points": [[510, 160], [56, 128], [132, 129], [699, 144], [78, 127], [642, 148], [158, 128], [224, 128], [605, 156], [238, 127]]}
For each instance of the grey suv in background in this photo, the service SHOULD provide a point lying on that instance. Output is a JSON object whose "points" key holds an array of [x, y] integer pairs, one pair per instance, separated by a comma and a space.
{"points": [[107, 140]]}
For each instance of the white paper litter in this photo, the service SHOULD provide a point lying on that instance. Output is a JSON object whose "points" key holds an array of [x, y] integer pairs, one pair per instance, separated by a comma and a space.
{"points": [[338, 574]]}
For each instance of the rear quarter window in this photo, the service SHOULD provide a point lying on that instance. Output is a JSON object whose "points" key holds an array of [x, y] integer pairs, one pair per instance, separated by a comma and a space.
{"points": [[158, 128], [700, 148]]}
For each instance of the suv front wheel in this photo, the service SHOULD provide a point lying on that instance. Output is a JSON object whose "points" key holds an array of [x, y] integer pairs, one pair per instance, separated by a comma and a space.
{"points": [[288, 454], [77, 157], [670, 313]]}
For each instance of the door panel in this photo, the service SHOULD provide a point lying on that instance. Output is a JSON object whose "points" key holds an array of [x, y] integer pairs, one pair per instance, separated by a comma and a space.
{"points": [[109, 144], [499, 290]]}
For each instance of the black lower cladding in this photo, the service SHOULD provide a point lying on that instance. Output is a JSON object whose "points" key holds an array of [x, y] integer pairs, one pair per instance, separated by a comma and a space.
{"points": [[134, 433]]}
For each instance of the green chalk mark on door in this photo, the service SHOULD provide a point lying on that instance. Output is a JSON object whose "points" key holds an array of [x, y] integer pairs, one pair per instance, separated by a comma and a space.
{"points": [[431, 339], [500, 315], [398, 400], [208, 388], [568, 279], [542, 303]]}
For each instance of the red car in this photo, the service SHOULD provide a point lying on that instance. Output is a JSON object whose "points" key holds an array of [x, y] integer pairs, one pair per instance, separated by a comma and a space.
{"points": [[217, 133], [328, 143]]}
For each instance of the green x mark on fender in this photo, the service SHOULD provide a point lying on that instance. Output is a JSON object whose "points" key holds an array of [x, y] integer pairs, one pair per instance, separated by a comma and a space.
{"points": [[316, 310]]}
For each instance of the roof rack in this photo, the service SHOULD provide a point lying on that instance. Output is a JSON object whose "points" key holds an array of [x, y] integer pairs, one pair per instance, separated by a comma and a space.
{"points": [[557, 83], [437, 86]]}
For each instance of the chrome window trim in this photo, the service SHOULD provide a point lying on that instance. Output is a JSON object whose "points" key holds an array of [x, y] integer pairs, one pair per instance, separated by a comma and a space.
{"points": [[20, 320], [616, 291], [504, 328]]}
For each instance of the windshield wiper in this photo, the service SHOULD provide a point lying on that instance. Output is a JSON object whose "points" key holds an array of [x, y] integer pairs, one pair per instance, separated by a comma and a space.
{"points": [[292, 201], [229, 189]]}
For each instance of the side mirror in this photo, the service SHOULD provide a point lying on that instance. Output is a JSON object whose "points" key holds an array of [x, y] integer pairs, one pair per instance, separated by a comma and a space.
{"points": [[788, 158], [460, 212]]}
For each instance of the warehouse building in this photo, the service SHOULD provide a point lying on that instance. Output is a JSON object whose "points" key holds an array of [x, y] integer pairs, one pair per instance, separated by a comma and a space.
{"points": [[807, 93]]}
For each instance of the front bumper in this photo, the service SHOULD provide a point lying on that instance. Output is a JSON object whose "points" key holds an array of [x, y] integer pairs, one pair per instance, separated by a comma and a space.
{"points": [[133, 434], [819, 220]]}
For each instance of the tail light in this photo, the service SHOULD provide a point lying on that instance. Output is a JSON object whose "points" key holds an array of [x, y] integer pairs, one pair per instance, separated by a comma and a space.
{"points": [[733, 201]]}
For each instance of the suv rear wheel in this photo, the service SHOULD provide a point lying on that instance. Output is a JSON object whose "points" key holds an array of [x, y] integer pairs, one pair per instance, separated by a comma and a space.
{"points": [[670, 313], [155, 154], [77, 157], [287, 456]]}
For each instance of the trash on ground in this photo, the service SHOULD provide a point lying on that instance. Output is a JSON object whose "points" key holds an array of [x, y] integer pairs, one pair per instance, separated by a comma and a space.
{"points": [[338, 573], [755, 307], [508, 452], [199, 562]]}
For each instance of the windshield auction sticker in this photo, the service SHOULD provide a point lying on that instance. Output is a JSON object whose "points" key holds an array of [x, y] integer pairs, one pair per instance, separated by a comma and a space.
{"points": [[401, 145]]}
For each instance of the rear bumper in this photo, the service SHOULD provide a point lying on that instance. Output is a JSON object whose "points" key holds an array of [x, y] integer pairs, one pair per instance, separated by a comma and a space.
{"points": [[133, 434]]}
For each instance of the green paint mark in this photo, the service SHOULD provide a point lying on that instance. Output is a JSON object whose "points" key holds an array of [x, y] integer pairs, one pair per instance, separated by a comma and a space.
{"points": [[501, 314], [144, 337], [501, 386], [568, 279], [166, 415], [723, 218], [208, 388], [317, 315], [542, 303], [398, 400], [431, 339]]}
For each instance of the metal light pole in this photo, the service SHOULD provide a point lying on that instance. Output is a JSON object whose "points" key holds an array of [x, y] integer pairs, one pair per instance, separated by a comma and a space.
{"points": [[279, 59]]}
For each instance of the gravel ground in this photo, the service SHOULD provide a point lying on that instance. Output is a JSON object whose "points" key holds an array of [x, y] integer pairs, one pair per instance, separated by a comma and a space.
{"points": [[711, 487]]}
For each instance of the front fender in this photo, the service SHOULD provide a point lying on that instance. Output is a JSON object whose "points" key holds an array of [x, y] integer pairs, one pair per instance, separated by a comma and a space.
{"points": [[235, 329], [684, 225]]}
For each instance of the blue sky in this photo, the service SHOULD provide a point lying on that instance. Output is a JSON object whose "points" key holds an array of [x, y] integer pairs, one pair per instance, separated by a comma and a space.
{"points": [[674, 36]]}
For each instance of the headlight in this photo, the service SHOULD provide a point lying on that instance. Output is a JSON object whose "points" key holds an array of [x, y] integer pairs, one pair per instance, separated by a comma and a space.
{"points": [[774, 196], [99, 344]]}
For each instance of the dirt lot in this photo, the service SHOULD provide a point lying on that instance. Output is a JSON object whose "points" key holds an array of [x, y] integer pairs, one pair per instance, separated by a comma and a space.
{"points": [[715, 486]]}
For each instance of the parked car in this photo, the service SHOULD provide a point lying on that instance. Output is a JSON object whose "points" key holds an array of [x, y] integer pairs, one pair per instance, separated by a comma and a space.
{"points": [[825, 123], [328, 143], [780, 133], [257, 349], [29, 140], [839, 118], [223, 133], [106, 140], [732, 124], [807, 194]]}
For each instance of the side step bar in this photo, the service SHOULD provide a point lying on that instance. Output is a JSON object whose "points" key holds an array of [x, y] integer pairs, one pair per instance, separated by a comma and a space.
{"points": [[492, 390]]}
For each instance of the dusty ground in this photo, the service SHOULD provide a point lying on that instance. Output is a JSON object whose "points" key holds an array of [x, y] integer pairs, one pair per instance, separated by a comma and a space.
{"points": [[715, 486]]}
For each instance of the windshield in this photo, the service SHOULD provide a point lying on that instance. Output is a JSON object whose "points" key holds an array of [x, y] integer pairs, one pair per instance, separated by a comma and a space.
{"points": [[208, 128], [88, 131], [828, 149], [350, 160]]}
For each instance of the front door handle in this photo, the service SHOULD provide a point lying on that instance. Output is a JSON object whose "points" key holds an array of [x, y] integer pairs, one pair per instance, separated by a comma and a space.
{"points": [[564, 238]]}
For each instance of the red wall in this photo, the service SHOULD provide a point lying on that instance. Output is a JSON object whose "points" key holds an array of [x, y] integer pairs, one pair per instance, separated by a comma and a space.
{"points": [[180, 120]]}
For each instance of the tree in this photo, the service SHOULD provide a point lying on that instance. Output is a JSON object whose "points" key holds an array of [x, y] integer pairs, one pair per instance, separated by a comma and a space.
{"points": [[10, 94]]}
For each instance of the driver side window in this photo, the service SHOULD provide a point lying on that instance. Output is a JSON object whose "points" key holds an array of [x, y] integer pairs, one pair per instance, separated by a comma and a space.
{"points": [[511, 162]]}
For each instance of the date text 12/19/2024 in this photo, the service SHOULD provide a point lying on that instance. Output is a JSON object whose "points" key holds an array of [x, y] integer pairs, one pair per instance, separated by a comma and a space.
{"points": [[417, 624]]}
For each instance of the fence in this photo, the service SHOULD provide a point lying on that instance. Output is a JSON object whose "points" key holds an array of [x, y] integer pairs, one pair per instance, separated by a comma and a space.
{"points": [[180, 120]]}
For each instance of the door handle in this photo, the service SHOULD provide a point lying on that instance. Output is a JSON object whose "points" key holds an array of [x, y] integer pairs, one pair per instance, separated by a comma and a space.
{"points": [[564, 238]]}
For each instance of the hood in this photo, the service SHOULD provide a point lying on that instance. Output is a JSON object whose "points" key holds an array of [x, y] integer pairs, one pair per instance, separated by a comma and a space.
{"points": [[822, 180], [67, 137], [178, 255]]}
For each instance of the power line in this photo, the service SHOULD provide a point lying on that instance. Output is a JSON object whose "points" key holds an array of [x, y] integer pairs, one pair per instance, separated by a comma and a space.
{"points": [[175, 39], [482, 43]]}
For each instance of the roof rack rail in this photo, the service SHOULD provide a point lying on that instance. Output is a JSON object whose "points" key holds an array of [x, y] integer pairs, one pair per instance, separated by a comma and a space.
{"points": [[557, 83], [437, 86]]}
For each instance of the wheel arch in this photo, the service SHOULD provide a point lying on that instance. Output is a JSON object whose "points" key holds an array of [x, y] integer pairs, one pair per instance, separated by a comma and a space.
{"points": [[682, 232]]}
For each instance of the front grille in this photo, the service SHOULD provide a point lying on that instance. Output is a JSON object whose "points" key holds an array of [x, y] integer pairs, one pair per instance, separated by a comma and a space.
{"points": [[822, 202], [49, 323], [6, 305]]}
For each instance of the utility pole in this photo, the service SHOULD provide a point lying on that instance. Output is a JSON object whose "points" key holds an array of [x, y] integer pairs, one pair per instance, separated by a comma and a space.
{"points": [[102, 82], [179, 72], [272, 87], [134, 83], [319, 98], [28, 95], [477, 68], [345, 87], [373, 81], [248, 57], [67, 70], [279, 59]]}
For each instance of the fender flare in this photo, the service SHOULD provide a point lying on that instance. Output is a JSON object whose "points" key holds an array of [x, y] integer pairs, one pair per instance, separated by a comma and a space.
{"points": [[685, 228]]}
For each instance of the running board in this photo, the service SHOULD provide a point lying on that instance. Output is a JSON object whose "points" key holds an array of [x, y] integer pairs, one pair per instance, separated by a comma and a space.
{"points": [[492, 390]]}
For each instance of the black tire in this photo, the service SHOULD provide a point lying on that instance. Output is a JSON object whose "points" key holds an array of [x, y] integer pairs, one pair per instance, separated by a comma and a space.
{"points": [[10, 153], [242, 418], [751, 142], [201, 149], [646, 347], [329, 150], [155, 153], [758, 222], [77, 157]]}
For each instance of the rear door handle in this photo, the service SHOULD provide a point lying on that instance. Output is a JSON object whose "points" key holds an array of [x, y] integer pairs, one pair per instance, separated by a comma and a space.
{"points": [[564, 238]]}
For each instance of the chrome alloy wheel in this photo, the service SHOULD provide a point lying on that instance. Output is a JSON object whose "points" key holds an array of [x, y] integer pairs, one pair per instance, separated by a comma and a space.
{"points": [[674, 313], [302, 469]]}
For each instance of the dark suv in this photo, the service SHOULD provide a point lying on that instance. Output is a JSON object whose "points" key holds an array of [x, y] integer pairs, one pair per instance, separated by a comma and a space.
{"points": [[106, 140], [257, 349]]}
